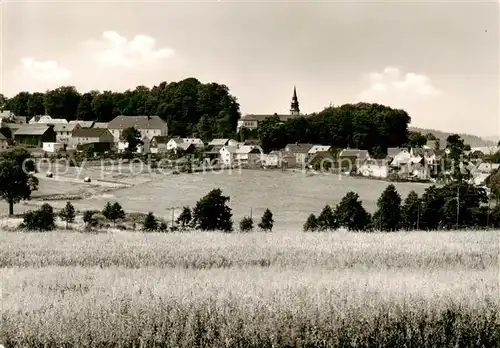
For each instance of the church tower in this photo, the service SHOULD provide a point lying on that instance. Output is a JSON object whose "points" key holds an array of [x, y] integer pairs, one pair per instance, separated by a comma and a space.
{"points": [[294, 107]]}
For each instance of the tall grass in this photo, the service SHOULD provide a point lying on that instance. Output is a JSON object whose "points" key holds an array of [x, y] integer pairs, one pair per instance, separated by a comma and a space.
{"points": [[300, 290]]}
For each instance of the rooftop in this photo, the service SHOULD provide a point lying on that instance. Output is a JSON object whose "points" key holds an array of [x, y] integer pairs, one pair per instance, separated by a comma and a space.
{"points": [[139, 122]]}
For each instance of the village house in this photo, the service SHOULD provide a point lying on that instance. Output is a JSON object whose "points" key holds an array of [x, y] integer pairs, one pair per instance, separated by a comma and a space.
{"points": [[52, 147], [321, 160], [4, 143], [159, 144], [301, 152], [35, 134], [143, 148], [64, 131], [248, 155], [148, 126], [83, 124], [101, 139], [279, 159], [350, 159], [488, 168], [252, 121], [197, 142], [376, 168]]}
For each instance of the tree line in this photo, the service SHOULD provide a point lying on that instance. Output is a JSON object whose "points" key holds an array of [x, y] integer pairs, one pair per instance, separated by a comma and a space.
{"points": [[188, 106], [372, 127], [457, 205]]}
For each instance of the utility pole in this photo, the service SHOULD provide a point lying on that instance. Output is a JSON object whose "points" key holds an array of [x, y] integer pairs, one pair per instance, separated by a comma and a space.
{"points": [[172, 217], [250, 212], [418, 215], [458, 203]]}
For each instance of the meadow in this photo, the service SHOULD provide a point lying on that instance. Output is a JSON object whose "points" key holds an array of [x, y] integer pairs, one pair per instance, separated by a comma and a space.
{"points": [[126, 289]]}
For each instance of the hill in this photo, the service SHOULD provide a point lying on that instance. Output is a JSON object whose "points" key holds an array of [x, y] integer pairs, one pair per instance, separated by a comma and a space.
{"points": [[472, 140]]}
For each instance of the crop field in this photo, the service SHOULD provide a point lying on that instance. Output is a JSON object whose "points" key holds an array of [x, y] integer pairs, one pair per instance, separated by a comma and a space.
{"points": [[125, 289]]}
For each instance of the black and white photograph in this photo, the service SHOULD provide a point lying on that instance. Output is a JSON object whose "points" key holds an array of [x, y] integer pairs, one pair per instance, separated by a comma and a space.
{"points": [[258, 174]]}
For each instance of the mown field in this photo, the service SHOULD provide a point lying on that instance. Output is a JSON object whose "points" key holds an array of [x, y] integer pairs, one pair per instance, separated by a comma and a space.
{"points": [[118, 289]]}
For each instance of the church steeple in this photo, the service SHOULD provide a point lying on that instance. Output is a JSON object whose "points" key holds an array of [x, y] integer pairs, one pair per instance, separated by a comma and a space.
{"points": [[294, 106]]}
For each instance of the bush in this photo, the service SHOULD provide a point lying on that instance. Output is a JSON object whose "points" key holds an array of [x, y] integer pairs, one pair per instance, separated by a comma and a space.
{"points": [[42, 219], [246, 224], [185, 218], [150, 223], [267, 222], [113, 212], [90, 220], [311, 224]]}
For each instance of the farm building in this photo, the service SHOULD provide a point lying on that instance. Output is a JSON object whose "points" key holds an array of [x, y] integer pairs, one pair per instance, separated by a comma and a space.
{"points": [[81, 136], [35, 134], [148, 126]]}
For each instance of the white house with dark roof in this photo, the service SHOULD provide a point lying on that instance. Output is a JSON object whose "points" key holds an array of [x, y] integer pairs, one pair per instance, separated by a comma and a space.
{"points": [[64, 131], [148, 126]]}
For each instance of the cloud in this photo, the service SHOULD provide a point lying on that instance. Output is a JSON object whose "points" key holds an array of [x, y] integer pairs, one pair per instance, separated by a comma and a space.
{"points": [[390, 86], [48, 70], [112, 49]]}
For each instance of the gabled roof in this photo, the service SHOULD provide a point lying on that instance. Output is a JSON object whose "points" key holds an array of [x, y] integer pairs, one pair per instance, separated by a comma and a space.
{"points": [[488, 167], [89, 132], [64, 127], [354, 153], [186, 146], [245, 149], [32, 129], [393, 151], [49, 119], [2, 137], [318, 148], [299, 148], [177, 140], [230, 149], [161, 139], [100, 125], [139, 122], [218, 142], [83, 124]]}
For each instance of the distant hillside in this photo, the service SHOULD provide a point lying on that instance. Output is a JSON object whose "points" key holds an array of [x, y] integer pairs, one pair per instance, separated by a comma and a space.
{"points": [[472, 140]]}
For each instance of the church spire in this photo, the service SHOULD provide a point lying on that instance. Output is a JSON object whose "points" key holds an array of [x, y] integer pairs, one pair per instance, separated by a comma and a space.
{"points": [[294, 106]]}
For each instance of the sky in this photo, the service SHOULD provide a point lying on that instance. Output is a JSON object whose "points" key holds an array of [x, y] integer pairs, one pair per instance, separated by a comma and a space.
{"points": [[439, 61]]}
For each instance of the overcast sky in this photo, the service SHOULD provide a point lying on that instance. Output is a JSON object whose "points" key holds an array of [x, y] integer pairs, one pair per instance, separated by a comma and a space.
{"points": [[439, 61]]}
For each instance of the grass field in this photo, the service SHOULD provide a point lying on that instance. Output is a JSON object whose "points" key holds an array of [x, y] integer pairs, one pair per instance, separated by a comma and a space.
{"points": [[414, 289], [291, 196]]}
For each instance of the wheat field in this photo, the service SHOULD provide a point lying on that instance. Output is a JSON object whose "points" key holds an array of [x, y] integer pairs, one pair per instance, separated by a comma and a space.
{"points": [[119, 289]]}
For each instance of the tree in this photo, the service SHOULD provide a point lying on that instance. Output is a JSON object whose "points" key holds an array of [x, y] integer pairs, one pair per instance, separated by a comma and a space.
{"points": [[431, 213], [205, 128], [350, 213], [246, 224], [42, 219], [133, 137], [35, 104], [108, 211], [113, 212], [185, 217], [388, 215], [150, 223], [67, 214], [416, 139], [212, 213], [62, 102], [266, 223], [89, 219], [410, 212], [16, 182], [311, 224], [326, 220]]}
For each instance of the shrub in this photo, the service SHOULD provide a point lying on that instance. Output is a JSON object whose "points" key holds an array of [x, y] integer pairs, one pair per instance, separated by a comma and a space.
{"points": [[89, 219], [311, 224], [150, 223], [42, 219], [185, 217], [246, 224], [266, 223]]}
